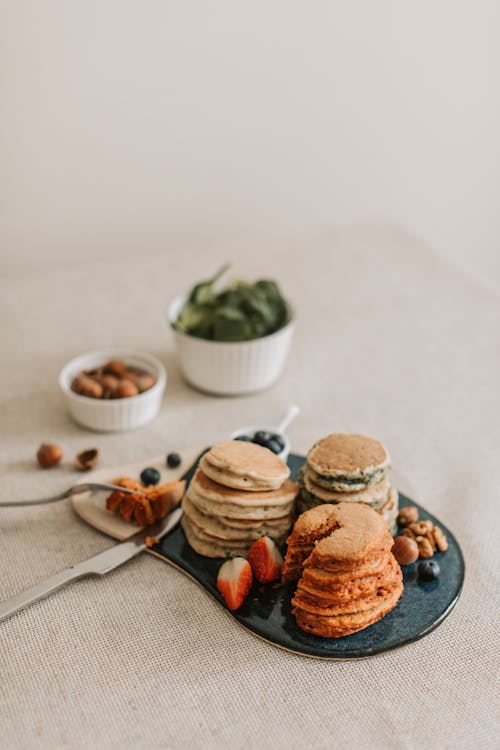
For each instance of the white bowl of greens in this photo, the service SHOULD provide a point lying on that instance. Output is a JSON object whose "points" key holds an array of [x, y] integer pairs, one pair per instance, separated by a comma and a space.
{"points": [[231, 340]]}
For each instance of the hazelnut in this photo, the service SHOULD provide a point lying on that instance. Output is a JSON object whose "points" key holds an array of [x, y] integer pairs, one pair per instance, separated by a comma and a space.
{"points": [[125, 389], [85, 386], [113, 380], [78, 383], [144, 382], [405, 550], [131, 373], [109, 382], [408, 514], [87, 459], [49, 454], [92, 389], [115, 367], [95, 374]]}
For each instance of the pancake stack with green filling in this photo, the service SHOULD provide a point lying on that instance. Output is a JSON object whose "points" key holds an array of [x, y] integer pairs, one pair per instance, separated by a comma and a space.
{"points": [[348, 576], [342, 468], [240, 492]]}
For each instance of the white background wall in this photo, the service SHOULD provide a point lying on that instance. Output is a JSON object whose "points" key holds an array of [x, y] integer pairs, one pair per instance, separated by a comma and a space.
{"points": [[137, 125]]}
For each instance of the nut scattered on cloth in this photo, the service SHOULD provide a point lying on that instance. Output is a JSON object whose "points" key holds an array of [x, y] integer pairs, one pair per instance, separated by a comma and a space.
{"points": [[49, 454], [87, 459]]}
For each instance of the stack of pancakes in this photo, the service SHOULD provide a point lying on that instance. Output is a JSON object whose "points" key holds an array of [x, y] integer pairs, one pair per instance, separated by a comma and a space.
{"points": [[240, 492], [349, 577], [344, 468]]}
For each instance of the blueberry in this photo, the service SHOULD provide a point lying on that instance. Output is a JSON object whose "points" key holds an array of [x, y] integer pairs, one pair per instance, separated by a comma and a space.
{"points": [[173, 460], [261, 437], [244, 438], [280, 441], [274, 446], [428, 570], [150, 476]]}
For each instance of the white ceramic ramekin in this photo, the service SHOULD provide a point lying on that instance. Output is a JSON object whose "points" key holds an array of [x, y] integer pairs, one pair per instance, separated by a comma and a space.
{"points": [[110, 415], [230, 368], [250, 431]]}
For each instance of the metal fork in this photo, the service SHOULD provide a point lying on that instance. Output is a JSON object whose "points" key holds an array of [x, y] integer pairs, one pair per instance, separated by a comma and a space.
{"points": [[75, 490]]}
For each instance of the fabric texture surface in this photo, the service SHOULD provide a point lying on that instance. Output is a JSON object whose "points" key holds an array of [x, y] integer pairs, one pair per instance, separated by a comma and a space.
{"points": [[391, 341]]}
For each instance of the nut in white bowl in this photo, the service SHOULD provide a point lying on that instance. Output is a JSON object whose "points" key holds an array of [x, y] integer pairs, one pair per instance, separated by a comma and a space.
{"points": [[250, 432], [117, 414], [230, 368]]}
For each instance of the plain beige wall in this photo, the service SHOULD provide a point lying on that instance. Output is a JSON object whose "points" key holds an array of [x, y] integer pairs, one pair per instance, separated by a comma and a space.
{"points": [[137, 125]]}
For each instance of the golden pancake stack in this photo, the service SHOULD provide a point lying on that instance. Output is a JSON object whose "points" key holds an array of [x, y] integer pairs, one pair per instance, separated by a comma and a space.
{"points": [[344, 468], [348, 576], [240, 492]]}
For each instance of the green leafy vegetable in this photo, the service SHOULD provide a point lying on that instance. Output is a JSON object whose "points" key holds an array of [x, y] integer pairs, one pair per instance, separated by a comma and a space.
{"points": [[240, 312]]}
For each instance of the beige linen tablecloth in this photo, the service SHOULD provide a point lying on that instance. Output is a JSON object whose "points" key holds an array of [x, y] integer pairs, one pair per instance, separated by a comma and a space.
{"points": [[391, 341]]}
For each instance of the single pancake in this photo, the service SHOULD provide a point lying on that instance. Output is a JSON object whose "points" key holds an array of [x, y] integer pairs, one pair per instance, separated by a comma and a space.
{"points": [[347, 463], [244, 466]]}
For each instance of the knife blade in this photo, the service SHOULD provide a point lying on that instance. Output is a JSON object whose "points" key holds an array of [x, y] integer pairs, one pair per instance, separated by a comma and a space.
{"points": [[99, 564]]}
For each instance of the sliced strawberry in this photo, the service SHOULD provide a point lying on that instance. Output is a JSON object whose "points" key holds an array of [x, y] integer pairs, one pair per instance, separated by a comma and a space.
{"points": [[265, 559], [234, 581]]}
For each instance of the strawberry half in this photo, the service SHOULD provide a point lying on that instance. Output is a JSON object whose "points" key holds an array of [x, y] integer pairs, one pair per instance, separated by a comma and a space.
{"points": [[234, 581], [265, 559]]}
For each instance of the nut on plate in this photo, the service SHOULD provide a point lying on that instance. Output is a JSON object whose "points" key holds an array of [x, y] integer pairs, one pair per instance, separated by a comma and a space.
{"points": [[428, 538], [407, 515], [49, 454], [405, 550], [424, 546], [440, 539], [409, 533], [86, 460], [420, 528]]}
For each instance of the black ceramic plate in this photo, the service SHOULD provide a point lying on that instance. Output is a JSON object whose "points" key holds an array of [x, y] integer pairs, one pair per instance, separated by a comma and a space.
{"points": [[267, 610]]}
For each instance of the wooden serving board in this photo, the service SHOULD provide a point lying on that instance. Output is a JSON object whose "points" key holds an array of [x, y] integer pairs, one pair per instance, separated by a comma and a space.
{"points": [[92, 506], [267, 610]]}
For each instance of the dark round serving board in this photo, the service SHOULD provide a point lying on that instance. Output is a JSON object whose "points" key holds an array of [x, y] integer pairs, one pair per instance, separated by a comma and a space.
{"points": [[267, 610]]}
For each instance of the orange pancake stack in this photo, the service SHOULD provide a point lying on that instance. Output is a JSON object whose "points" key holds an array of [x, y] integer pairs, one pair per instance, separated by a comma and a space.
{"points": [[349, 578]]}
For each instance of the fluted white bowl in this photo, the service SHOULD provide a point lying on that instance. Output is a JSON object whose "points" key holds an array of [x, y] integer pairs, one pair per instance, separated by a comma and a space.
{"points": [[117, 414], [230, 368]]}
